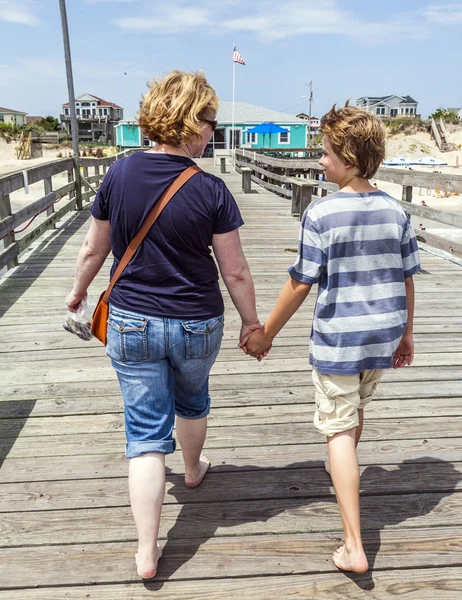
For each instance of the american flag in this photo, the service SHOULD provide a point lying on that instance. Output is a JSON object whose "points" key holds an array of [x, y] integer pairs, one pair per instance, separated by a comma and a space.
{"points": [[237, 56]]}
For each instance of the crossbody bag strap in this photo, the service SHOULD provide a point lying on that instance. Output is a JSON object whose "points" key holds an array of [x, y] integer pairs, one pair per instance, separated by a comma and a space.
{"points": [[148, 223]]}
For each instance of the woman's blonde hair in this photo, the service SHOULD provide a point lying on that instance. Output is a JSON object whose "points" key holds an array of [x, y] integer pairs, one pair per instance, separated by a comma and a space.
{"points": [[357, 138], [172, 109]]}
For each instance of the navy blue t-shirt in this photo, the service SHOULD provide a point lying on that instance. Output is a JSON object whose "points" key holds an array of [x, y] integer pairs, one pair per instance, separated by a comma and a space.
{"points": [[173, 273]]}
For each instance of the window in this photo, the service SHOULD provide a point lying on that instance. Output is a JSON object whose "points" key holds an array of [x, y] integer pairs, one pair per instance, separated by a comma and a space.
{"points": [[85, 104], [284, 138], [411, 111], [2, 119], [407, 111], [93, 110], [78, 111], [380, 110], [105, 111], [251, 138], [100, 111], [66, 111]]}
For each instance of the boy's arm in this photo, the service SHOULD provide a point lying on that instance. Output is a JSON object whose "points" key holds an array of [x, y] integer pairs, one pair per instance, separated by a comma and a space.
{"points": [[404, 354], [290, 299]]}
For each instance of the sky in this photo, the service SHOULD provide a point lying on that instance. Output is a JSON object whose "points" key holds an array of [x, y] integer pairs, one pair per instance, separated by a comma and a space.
{"points": [[348, 48]]}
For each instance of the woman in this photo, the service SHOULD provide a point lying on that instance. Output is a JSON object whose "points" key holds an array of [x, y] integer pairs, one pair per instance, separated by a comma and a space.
{"points": [[166, 310]]}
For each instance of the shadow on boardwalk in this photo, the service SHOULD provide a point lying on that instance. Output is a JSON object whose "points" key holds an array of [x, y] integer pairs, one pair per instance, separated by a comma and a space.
{"points": [[181, 546]]}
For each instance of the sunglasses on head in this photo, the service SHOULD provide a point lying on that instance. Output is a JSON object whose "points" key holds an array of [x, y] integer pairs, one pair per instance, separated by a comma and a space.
{"points": [[213, 124]]}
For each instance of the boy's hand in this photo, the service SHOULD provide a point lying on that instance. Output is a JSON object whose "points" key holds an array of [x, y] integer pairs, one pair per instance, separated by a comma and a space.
{"points": [[258, 344], [404, 354]]}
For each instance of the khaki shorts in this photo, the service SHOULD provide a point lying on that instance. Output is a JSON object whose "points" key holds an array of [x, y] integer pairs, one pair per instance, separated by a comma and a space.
{"points": [[338, 398]]}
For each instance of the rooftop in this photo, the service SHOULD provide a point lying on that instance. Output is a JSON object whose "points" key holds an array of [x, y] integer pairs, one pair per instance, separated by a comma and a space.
{"points": [[250, 113], [101, 102], [10, 110]]}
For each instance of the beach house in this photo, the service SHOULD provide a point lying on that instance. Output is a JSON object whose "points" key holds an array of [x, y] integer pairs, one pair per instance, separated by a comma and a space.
{"points": [[389, 106], [96, 118], [247, 116], [8, 115]]}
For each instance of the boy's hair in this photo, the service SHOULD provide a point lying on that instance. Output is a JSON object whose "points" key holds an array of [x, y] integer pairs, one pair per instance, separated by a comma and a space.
{"points": [[357, 138], [171, 110]]}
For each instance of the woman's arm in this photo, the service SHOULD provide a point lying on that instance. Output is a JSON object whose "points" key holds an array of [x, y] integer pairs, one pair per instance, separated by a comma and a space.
{"points": [[236, 275], [95, 249]]}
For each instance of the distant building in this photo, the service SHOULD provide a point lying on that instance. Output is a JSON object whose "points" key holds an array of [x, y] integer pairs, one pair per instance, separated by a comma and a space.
{"points": [[247, 116], [96, 118], [315, 124], [128, 134], [456, 110], [389, 106], [8, 115], [35, 119]]}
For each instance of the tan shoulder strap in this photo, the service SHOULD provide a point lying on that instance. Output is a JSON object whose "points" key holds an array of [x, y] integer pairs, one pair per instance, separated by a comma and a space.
{"points": [[148, 223]]}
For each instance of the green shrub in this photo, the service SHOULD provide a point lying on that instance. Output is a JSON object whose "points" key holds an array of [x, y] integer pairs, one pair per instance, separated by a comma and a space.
{"points": [[448, 116]]}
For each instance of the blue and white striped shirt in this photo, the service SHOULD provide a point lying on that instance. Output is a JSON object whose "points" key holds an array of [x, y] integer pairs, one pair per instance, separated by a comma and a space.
{"points": [[358, 247]]}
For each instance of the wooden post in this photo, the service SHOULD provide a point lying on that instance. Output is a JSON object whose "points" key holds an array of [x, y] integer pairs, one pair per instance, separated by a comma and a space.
{"points": [[324, 193], [99, 178], [47, 188], [85, 174], [222, 164], [5, 211], [70, 177], [104, 169], [302, 193], [246, 179], [407, 193]]}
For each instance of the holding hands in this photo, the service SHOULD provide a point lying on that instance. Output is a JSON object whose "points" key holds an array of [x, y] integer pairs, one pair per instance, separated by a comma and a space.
{"points": [[255, 341]]}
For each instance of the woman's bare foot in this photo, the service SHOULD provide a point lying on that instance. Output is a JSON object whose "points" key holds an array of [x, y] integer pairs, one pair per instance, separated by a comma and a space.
{"points": [[327, 467], [355, 561], [146, 565], [193, 478]]}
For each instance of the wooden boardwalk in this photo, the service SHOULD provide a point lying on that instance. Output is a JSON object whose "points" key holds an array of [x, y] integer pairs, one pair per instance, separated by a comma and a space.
{"points": [[265, 522]]}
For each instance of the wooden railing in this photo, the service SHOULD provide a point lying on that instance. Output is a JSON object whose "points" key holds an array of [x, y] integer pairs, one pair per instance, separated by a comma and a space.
{"points": [[73, 198], [299, 179]]}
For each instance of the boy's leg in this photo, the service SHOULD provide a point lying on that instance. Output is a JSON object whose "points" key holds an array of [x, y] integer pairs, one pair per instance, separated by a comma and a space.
{"points": [[344, 471], [336, 416]]}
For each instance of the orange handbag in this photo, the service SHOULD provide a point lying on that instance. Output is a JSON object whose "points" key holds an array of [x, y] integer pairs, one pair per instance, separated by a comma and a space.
{"points": [[101, 314]]}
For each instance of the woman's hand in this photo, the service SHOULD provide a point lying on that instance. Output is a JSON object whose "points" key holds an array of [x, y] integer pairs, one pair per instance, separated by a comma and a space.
{"points": [[74, 301]]}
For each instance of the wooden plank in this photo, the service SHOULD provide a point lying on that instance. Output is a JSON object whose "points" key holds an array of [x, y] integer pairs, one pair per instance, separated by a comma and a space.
{"points": [[412, 584], [31, 210], [437, 241], [15, 181], [259, 484], [248, 518], [293, 456], [87, 437]]}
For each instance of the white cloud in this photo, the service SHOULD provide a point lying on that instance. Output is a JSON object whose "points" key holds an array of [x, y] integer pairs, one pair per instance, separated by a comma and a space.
{"points": [[267, 19], [16, 12], [169, 19], [444, 14]]}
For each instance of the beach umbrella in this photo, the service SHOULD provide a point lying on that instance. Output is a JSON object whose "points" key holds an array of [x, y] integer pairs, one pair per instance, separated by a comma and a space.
{"points": [[430, 161], [267, 127], [397, 161]]}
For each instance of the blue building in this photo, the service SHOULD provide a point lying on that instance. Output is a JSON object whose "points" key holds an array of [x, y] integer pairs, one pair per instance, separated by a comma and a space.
{"points": [[128, 135], [247, 116]]}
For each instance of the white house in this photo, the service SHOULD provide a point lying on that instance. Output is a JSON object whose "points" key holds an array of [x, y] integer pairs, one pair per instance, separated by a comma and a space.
{"points": [[389, 106], [315, 124], [7, 115]]}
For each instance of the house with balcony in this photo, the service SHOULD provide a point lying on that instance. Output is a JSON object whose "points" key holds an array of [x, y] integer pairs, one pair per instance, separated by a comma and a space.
{"points": [[96, 118], [314, 125], [8, 115], [389, 106]]}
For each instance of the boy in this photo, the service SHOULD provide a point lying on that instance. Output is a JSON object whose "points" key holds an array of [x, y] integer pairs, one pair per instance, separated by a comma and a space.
{"points": [[358, 245]]}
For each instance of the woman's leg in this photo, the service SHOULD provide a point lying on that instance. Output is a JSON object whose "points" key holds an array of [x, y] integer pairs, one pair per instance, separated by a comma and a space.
{"points": [[191, 436], [146, 484]]}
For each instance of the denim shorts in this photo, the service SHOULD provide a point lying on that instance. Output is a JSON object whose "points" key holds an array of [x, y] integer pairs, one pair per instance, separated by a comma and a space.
{"points": [[163, 368]]}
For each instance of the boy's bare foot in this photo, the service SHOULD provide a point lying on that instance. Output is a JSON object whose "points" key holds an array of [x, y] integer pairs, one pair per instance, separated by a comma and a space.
{"points": [[327, 467], [194, 477], [350, 560], [146, 566]]}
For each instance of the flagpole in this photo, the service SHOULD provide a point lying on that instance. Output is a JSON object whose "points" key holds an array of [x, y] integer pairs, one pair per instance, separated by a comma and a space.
{"points": [[232, 124]]}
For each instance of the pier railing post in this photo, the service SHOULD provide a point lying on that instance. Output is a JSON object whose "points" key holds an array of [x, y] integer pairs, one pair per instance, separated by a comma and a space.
{"points": [[407, 193], [302, 194], [246, 179], [222, 164], [5, 211]]}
